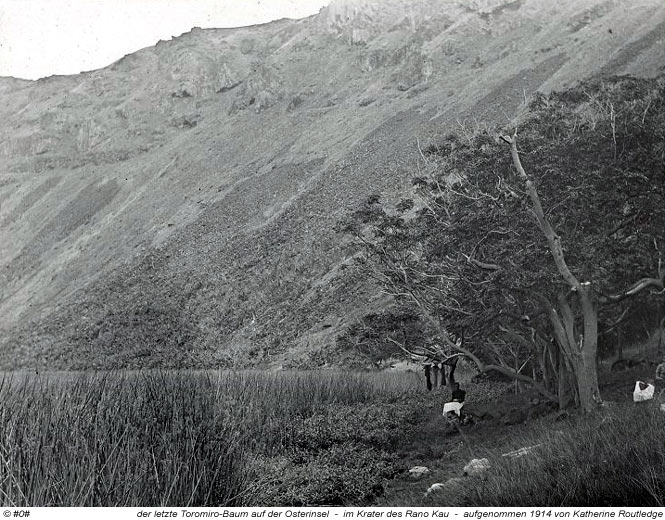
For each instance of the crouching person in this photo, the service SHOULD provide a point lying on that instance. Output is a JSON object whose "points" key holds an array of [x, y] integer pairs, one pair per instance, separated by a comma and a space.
{"points": [[453, 410]]}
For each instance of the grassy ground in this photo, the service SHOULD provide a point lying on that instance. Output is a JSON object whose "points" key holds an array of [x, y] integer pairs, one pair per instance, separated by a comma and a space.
{"points": [[615, 457], [309, 438], [206, 438]]}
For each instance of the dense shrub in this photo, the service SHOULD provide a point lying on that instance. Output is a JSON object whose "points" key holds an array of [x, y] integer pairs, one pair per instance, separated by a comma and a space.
{"points": [[343, 474], [374, 425]]}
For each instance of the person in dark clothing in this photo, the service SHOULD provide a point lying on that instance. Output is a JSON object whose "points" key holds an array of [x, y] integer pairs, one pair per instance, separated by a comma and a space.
{"points": [[458, 394], [660, 372], [453, 411]]}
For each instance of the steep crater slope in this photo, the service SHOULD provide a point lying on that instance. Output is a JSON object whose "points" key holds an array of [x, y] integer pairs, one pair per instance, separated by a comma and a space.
{"points": [[178, 207]]}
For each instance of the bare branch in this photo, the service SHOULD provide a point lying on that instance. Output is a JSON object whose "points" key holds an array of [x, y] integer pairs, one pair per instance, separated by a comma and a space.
{"points": [[482, 265], [616, 323], [553, 239], [482, 367], [638, 286], [623, 224], [518, 338], [421, 152], [411, 354]]}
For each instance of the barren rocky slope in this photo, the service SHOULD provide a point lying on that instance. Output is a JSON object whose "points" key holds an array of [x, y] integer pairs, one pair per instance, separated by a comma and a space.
{"points": [[178, 207]]}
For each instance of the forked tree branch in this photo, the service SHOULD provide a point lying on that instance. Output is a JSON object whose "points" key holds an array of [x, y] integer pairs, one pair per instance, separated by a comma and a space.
{"points": [[553, 239]]}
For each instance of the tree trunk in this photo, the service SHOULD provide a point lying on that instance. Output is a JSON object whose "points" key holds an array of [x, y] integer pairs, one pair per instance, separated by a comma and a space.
{"points": [[428, 380], [661, 332], [582, 356], [435, 374], [587, 383], [566, 383], [587, 376], [450, 379], [577, 348], [561, 390]]}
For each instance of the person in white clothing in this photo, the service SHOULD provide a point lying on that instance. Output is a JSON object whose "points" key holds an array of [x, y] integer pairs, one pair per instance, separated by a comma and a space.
{"points": [[452, 406]]}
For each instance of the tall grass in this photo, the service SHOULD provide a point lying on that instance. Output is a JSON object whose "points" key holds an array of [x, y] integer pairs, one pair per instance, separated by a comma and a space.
{"points": [[162, 438], [613, 458]]}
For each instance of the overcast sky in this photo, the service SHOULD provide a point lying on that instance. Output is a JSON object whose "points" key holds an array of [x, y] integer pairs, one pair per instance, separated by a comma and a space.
{"points": [[43, 37]]}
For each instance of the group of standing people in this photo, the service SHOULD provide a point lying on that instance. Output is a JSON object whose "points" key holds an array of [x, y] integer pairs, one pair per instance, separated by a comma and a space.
{"points": [[436, 373], [435, 376]]}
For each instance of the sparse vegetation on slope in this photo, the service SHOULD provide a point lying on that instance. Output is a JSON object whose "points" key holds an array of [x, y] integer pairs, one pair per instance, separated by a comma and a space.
{"points": [[177, 208]]}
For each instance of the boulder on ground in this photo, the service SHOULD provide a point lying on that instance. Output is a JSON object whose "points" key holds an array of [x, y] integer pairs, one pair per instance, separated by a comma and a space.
{"points": [[435, 488], [476, 466], [453, 485], [417, 472]]}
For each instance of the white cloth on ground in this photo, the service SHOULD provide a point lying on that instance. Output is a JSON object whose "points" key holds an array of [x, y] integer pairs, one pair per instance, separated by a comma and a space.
{"points": [[643, 395]]}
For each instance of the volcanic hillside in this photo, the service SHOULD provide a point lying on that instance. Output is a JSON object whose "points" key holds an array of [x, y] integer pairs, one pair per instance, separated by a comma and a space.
{"points": [[179, 207]]}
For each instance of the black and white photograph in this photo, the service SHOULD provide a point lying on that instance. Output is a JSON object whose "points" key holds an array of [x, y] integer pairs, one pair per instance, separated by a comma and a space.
{"points": [[328, 254]]}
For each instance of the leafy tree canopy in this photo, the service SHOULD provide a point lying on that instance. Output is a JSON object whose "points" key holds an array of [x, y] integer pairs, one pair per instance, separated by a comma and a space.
{"points": [[466, 247]]}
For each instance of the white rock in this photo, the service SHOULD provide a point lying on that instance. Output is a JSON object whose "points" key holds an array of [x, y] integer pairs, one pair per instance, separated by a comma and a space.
{"points": [[435, 487], [453, 485], [418, 471], [476, 466]]}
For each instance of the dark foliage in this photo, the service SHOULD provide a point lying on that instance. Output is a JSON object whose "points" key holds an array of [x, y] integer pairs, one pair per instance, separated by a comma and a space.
{"points": [[470, 252]]}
